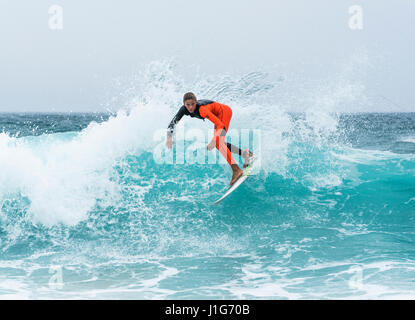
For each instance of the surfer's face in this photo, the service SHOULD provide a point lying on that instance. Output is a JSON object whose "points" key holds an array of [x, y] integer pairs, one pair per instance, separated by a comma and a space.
{"points": [[190, 105]]}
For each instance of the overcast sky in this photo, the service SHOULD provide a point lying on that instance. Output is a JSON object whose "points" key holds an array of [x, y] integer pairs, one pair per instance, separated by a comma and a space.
{"points": [[73, 68]]}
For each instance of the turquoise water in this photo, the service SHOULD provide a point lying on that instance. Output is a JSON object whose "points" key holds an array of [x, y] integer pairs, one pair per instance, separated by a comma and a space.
{"points": [[86, 212]]}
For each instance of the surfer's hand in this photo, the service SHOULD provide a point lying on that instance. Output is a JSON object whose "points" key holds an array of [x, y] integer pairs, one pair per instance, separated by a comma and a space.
{"points": [[211, 145], [169, 142]]}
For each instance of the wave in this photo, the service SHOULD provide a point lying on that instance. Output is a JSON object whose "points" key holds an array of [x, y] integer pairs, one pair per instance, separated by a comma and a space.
{"points": [[65, 176], [410, 139], [98, 202]]}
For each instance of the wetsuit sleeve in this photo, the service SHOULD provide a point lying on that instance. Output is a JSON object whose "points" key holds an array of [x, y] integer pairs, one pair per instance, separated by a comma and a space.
{"points": [[175, 120], [206, 113]]}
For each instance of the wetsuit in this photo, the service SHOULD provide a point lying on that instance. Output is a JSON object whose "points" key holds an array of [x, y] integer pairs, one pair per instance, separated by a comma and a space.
{"points": [[220, 115]]}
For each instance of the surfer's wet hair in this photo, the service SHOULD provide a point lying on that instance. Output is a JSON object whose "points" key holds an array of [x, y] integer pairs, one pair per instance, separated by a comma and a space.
{"points": [[189, 96]]}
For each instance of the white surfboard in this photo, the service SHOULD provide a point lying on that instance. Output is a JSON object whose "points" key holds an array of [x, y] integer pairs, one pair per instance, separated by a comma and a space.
{"points": [[247, 172]]}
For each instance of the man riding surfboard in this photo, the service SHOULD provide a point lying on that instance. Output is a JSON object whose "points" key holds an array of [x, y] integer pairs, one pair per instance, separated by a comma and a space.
{"points": [[220, 114]]}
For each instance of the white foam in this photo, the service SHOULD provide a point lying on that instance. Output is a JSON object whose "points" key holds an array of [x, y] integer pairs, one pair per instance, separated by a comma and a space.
{"points": [[257, 282], [63, 175], [63, 178], [410, 139], [362, 156]]}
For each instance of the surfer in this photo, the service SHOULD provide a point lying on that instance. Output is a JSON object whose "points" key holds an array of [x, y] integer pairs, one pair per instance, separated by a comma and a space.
{"points": [[220, 114]]}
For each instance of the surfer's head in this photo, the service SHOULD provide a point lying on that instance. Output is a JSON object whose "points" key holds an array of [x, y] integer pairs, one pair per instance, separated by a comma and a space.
{"points": [[189, 100]]}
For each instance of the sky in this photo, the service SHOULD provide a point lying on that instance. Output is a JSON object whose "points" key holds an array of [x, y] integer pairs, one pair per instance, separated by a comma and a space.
{"points": [[69, 63]]}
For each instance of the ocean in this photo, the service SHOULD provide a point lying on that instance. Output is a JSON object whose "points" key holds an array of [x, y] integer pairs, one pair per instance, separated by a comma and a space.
{"points": [[87, 211]]}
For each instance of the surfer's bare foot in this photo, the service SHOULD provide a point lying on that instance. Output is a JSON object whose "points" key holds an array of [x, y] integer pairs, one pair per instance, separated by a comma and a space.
{"points": [[247, 155], [237, 172]]}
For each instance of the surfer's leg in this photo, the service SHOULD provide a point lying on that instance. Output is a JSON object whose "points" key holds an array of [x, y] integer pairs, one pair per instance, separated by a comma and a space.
{"points": [[245, 154], [224, 150], [233, 148], [226, 119]]}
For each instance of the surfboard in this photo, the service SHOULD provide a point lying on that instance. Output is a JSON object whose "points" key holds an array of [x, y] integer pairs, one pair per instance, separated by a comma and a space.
{"points": [[246, 173]]}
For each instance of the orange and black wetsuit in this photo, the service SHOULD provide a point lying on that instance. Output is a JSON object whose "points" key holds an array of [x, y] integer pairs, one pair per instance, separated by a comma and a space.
{"points": [[220, 114]]}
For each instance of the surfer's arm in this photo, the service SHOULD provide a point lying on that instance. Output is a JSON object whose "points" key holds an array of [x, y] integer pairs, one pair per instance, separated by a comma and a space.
{"points": [[219, 126], [174, 121]]}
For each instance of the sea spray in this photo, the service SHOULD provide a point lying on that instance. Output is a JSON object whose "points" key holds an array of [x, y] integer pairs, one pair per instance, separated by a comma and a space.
{"points": [[329, 215]]}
